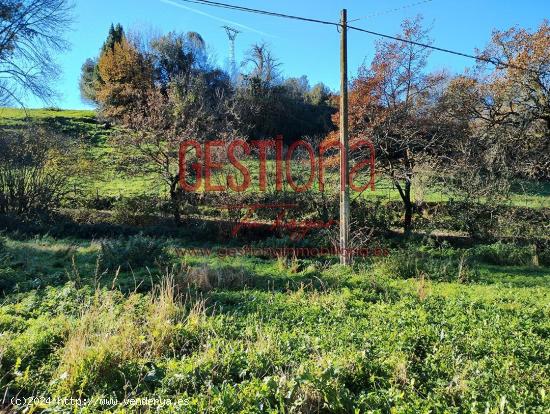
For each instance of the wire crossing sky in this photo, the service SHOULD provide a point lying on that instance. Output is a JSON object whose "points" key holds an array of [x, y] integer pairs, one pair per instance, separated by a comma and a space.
{"points": [[303, 49], [311, 20]]}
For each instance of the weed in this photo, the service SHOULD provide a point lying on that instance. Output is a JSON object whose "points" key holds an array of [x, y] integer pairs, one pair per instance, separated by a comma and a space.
{"points": [[133, 252]]}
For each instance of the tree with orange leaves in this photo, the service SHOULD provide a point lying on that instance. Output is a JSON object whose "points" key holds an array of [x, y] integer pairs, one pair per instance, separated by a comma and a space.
{"points": [[517, 95], [394, 104], [526, 76], [506, 109], [126, 77]]}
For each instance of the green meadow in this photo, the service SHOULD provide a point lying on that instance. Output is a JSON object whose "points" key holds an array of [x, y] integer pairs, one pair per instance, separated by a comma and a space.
{"points": [[106, 310]]}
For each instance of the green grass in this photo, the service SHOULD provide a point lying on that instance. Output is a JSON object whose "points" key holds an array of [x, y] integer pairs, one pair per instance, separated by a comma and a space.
{"points": [[103, 179], [304, 336], [17, 113], [78, 123]]}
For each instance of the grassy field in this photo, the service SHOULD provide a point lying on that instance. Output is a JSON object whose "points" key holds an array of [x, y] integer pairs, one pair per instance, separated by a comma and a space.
{"points": [[250, 335], [101, 316]]}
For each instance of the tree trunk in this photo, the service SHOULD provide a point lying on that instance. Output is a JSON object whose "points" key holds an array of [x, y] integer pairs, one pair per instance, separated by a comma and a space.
{"points": [[175, 200], [405, 194], [407, 225]]}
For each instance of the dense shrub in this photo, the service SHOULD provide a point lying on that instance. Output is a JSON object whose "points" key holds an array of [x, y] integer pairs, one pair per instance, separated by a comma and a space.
{"points": [[97, 202], [132, 252], [543, 253], [478, 220], [33, 174], [501, 253], [376, 215], [88, 216], [9, 279], [488, 222]]}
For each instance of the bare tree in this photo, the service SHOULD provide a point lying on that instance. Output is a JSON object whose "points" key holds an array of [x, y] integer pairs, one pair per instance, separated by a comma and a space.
{"points": [[30, 35], [263, 65], [186, 102]]}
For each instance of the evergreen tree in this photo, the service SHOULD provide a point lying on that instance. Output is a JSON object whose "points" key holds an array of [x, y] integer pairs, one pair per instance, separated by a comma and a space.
{"points": [[116, 34], [90, 77]]}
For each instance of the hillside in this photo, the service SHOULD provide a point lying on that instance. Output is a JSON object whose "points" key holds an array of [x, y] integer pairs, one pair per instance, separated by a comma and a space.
{"points": [[110, 303]]}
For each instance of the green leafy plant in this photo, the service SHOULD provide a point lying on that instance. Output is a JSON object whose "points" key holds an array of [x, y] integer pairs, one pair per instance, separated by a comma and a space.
{"points": [[506, 254], [132, 252]]}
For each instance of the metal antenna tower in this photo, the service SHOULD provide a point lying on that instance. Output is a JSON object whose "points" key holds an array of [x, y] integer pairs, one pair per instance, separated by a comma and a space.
{"points": [[231, 34]]}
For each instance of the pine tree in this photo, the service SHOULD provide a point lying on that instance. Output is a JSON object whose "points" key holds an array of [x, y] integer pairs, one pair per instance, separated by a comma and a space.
{"points": [[116, 35], [90, 77]]}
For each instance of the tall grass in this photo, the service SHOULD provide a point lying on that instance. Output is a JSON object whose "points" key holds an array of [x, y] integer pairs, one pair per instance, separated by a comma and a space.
{"points": [[115, 334]]}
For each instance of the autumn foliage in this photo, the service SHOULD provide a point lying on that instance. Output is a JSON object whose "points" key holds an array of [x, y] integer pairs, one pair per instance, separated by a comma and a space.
{"points": [[126, 77]]}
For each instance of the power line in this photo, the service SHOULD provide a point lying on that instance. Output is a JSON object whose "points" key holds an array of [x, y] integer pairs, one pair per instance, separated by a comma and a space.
{"points": [[495, 62], [408, 6], [264, 12]]}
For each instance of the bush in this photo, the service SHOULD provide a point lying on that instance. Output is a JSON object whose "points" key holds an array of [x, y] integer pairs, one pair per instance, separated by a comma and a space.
{"points": [[132, 252], [136, 211], [543, 253], [33, 171], [88, 216], [476, 219], [504, 254], [10, 279], [97, 202], [376, 215]]}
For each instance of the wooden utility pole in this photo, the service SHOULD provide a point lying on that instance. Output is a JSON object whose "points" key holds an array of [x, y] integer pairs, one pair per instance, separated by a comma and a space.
{"points": [[344, 145]]}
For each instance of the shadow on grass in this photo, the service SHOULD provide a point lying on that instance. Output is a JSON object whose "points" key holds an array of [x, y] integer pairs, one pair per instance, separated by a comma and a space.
{"points": [[38, 263]]}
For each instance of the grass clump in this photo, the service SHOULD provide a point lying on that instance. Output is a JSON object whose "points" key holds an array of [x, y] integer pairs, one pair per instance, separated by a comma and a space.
{"points": [[441, 264], [133, 252], [112, 347], [206, 277]]}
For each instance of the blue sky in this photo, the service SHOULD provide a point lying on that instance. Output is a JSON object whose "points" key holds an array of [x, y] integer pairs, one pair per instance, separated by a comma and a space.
{"points": [[302, 48]]}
